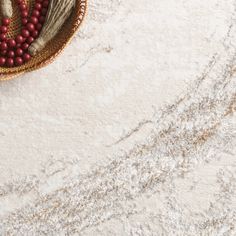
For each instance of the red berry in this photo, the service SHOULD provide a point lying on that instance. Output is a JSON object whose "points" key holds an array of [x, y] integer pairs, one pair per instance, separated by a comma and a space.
{"points": [[45, 3], [38, 6], [26, 57], [19, 52], [30, 27], [18, 61], [24, 13], [3, 29], [2, 61], [25, 33], [18, 45], [44, 11], [34, 20], [11, 43], [10, 53], [23, 6], [10, 62], [25, 46], [3, 53], [39, 26], [3, 46], [35, 34], [3, 37], [19, 1], [42, 19], [30, 40], [36, 13], [6, 21], [24, 21], [19, 39]]}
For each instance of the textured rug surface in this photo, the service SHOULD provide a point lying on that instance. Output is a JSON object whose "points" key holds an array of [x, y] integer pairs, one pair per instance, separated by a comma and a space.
{"points": [[132, 131]]}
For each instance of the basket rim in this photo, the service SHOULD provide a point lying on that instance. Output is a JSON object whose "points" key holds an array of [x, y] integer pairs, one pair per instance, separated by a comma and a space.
{"points": [[76, 25]]}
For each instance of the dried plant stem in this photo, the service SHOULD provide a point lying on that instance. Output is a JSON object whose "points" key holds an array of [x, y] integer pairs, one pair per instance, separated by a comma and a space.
{"points": [[6, 7]]}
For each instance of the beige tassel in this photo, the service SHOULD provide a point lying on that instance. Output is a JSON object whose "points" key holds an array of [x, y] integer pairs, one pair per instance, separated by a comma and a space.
{"points": [[6, 7], [58, 12]]}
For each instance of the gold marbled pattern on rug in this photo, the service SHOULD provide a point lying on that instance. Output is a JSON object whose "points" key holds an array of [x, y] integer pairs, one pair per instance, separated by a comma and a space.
{"points": [[179, 178]]}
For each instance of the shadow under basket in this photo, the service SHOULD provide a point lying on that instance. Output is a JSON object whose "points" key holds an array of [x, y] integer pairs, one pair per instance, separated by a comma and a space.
{"points": [[53, 48]]}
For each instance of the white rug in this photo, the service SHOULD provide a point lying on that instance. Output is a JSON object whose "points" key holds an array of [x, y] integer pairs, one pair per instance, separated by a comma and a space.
{"points": [[131, 131]]}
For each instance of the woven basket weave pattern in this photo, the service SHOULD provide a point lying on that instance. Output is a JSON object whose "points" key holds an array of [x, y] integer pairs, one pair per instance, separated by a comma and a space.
{"points": [[53, 48]]}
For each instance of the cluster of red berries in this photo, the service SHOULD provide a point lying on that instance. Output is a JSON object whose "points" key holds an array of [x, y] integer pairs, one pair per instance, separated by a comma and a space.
{"points": [[14, 51]]}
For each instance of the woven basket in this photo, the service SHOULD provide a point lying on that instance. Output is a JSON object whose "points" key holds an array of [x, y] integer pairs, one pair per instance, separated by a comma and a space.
{"points": [[53, 48]]}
